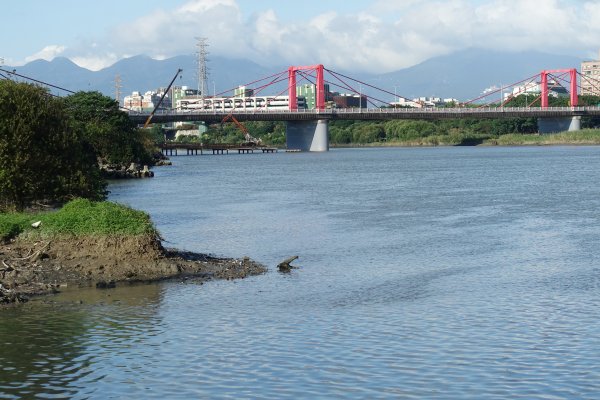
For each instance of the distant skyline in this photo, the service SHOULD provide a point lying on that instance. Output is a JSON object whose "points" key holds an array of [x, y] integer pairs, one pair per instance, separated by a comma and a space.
{"points": [[370, 36]]}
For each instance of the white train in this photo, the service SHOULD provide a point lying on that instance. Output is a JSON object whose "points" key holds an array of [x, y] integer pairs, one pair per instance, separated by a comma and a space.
{"points": [[240, 103]]}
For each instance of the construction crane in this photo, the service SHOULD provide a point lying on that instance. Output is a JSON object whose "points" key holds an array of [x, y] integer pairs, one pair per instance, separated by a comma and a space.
{"points": [[161, 98], [249, 139]]}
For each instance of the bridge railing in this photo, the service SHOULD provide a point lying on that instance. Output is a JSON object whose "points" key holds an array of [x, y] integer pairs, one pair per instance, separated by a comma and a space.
{"points": [[332, 111]]}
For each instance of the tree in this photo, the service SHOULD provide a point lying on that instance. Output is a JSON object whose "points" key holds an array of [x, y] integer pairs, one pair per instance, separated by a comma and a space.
{"points": [[43, 157], [115, 138]]}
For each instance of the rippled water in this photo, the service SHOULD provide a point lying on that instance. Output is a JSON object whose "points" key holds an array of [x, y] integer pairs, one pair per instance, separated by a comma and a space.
{"points": [[443, 272]]}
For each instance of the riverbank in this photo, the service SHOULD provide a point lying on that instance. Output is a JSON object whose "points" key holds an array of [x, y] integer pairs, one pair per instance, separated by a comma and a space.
{"points": [[71, 247], [585, 137]]}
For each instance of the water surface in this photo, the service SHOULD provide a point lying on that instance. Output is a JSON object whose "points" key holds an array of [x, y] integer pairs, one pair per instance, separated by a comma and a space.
{"points": [[427, 272]]}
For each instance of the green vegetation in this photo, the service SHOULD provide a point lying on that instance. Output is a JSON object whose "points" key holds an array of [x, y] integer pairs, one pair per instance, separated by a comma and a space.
{"points": [[271, 133], [452, 132], [50, 147], [79, 217], [43, 157], [115, 139], [583, 137], [463, 132]]}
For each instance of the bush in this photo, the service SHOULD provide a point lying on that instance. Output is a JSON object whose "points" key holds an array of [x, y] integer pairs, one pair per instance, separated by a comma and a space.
{"points": [[85, 217], [114, 137], [43, 158]]}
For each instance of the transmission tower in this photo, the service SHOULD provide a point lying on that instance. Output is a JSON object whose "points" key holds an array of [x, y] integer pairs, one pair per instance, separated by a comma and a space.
{"points": [[201, 53], [118, 87]]}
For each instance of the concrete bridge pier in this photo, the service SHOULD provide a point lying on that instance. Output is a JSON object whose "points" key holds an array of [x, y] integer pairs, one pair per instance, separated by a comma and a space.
{"points": [[308, 135], [559, 124]]}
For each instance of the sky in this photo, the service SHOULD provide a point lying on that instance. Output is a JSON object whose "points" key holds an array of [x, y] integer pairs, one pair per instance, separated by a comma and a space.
{"points": [[367, 35]]}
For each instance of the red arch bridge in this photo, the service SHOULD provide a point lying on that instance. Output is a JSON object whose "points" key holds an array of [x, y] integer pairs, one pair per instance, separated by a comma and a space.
{"points": [[307, 129]]}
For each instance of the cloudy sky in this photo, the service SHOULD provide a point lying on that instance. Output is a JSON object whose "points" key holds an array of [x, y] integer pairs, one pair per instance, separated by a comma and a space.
{"points": [[367, 35]]}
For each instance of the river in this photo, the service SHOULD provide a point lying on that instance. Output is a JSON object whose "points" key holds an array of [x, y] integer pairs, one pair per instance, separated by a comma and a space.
{"points": [[423, 273]]}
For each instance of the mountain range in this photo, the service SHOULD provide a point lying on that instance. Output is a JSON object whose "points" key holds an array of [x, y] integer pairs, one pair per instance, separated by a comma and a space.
{"points": [[463, 75]]}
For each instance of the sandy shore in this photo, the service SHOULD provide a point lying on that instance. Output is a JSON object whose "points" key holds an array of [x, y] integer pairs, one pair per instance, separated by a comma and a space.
{"points": [[31, 267]]}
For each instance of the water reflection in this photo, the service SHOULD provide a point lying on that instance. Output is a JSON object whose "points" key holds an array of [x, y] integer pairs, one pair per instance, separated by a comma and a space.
{"points": [[52, 344]]}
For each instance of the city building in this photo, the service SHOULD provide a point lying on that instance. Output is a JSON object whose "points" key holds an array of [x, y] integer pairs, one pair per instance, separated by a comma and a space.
{"points": [[590, 78], [182, 92], [146, 102], [350, 101], [405, 103], [309, 93], [241, 91], [421, 102]]}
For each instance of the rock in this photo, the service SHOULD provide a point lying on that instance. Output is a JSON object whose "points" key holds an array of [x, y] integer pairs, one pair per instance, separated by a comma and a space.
{"points": [[106, 285], [285, 266], [132, 167], [36, 224]]}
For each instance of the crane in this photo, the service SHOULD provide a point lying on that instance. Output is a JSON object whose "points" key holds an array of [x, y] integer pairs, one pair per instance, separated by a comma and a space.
{"points": [[250, 140], [161, 98]]}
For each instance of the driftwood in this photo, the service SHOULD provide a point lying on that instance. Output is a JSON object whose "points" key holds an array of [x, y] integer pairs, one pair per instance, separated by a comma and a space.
{"points": [[285, 266]]}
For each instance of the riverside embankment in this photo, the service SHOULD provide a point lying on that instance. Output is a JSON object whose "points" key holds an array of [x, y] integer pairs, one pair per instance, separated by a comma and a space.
{"points": [[96, 244]]}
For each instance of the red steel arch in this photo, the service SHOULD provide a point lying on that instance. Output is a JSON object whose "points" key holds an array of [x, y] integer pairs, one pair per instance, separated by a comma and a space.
{"points": [[320, 95], [544, 80]]}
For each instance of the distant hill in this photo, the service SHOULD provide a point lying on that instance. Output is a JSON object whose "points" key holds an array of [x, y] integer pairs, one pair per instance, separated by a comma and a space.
{"points": [[463, 75], [142, 73]]}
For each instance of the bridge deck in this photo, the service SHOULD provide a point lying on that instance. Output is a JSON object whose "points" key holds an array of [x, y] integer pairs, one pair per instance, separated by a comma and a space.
{"points": [[367, 114]]}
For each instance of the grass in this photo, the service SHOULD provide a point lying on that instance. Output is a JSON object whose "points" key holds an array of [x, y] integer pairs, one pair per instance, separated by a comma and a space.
{"points": [[79, 217], [582, 137]]}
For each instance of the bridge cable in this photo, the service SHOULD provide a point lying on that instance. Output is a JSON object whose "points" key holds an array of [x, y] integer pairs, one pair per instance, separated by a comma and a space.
{"points": [[589, 80], [277, 76], [366, 84], [369, 98], [513, 95], [533, 77]]}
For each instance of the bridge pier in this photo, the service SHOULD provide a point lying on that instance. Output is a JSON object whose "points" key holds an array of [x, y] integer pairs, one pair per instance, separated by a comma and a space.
{"points": [[308, 135], [559, 124]]}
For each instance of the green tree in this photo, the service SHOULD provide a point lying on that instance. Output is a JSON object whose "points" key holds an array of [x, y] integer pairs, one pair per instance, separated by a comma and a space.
{"points": [[43, 157], [367, 132], [114, 137], [409, 129]]}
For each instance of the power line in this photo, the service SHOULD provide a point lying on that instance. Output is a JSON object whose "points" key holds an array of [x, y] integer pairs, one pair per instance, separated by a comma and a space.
{"points": [[35, 80]]}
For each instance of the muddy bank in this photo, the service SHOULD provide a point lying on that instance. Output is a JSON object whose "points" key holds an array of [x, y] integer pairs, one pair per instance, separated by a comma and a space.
{"points": [[31, 267]]}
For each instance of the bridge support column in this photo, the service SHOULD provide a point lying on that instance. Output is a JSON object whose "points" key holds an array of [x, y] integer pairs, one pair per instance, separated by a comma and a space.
{"points": [[308, 135], [559, 124]]}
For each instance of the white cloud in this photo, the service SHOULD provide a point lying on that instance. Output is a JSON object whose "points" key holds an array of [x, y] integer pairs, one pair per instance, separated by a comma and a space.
{"points": [[384, 36], [48, 53], [96, 63], [170, 33]]}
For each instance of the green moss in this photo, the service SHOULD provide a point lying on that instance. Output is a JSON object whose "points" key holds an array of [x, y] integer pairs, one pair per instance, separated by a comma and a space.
{"points": [[79, 217]]}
